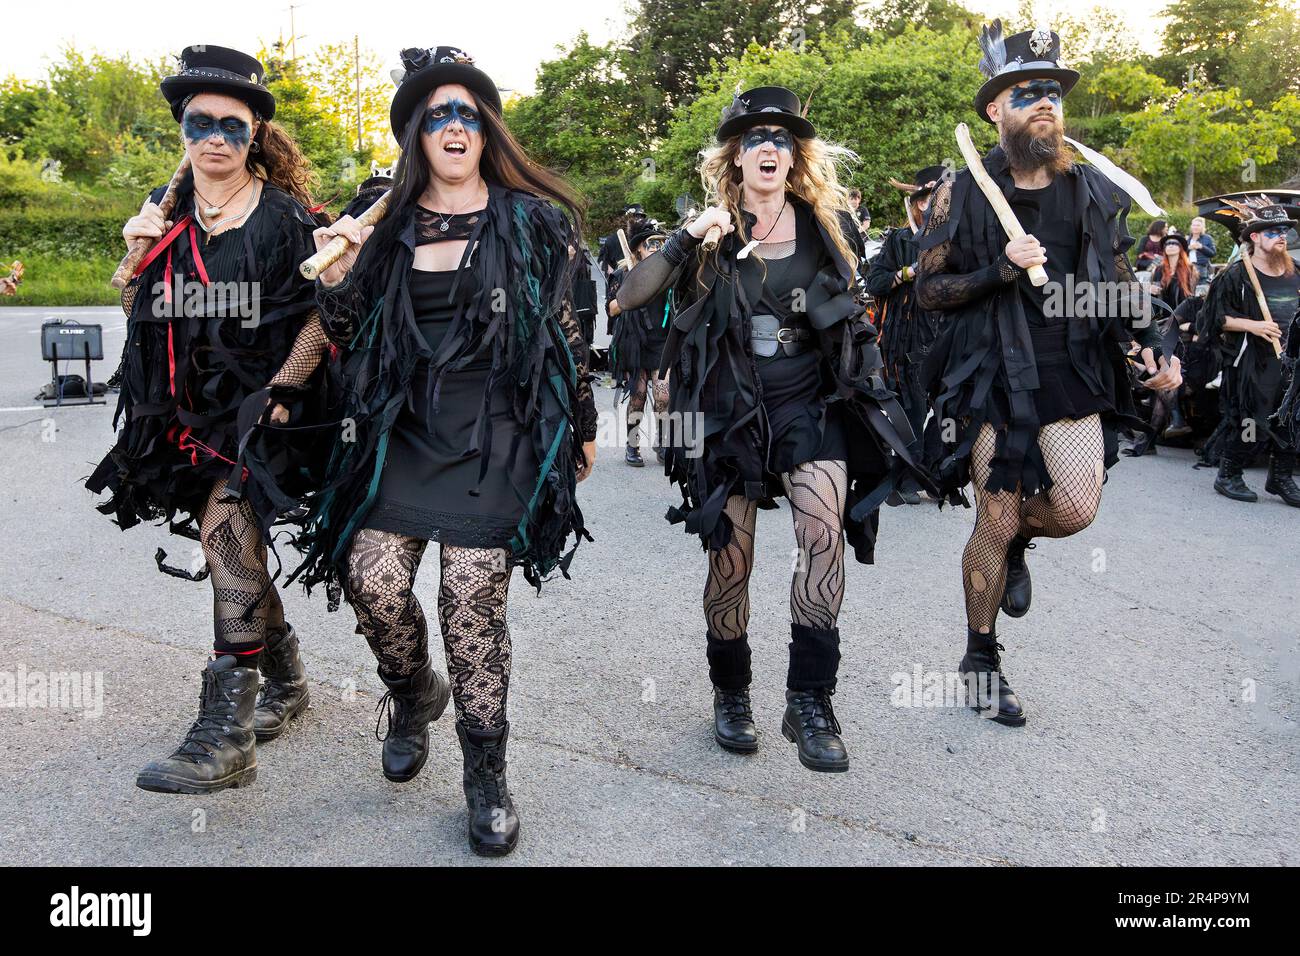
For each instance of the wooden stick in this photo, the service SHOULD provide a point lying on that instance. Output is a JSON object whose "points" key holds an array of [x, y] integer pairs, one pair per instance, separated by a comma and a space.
{"points": [[712, 238], [334, 249], [1260, 298], [628, 261], [137, 249], [1010, 225]]}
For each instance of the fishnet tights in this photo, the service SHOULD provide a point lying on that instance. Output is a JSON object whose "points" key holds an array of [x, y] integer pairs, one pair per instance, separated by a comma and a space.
{"points": [[817, 492], [471, 611], [1074, 452], [308, 347], [245, 603]]}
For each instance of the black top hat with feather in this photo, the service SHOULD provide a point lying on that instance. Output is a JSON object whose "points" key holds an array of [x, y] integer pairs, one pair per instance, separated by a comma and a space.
{"points": [[765, 106], [1241, 210], [426, 70], [1024, 56], [217, 69]]}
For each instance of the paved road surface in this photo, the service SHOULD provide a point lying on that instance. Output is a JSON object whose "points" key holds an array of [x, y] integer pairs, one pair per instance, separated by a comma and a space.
{"points": [[1159, 665]]}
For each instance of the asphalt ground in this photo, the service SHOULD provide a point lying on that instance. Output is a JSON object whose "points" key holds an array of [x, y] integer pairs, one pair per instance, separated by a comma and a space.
{"points": [[1159, 666]]}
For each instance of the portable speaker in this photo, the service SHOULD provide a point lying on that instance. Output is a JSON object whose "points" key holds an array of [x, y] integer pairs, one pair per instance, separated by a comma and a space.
{"points": [[71, 340]]}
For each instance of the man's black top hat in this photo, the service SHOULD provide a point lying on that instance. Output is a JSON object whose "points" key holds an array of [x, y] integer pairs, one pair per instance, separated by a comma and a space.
{"points": [[1023, 56], [426, 70], [634, 209], [926, 179], [765, 106], [216, 69]]}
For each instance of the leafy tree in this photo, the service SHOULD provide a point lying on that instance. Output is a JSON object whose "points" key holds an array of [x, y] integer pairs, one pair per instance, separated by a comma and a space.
{"points": [[1206, 33], [1211, 133]]}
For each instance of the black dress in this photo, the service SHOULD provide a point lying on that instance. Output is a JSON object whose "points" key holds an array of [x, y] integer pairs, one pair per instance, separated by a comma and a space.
{"points": [[429, 487], [195, 373], [804, 426]]}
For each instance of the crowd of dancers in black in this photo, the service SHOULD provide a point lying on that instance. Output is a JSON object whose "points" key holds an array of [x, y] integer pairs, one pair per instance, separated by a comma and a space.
{"points": [[433, 384]]}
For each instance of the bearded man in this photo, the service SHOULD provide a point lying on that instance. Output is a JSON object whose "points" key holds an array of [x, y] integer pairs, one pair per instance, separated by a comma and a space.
{"points": [[1029, 385]]}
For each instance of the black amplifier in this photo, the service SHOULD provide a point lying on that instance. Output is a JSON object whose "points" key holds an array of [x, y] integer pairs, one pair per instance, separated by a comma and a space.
{"points": [[71, 340]]}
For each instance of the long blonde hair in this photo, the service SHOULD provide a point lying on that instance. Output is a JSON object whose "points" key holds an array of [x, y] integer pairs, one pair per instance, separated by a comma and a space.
{"points": [[814, 178]]}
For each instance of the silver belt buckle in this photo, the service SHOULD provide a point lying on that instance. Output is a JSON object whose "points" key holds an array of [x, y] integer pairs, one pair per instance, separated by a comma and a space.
{"points": [[785, 336]]}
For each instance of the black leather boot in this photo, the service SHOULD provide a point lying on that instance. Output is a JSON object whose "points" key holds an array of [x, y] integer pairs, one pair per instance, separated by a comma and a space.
{"points": [[284, 692], [733, 717], [493, 823], [993, 695], [633, 457], [1280, 482], [1018, 590], [809, 721], [1229, 482], [219, 750], [413, 703], [733, 721]]}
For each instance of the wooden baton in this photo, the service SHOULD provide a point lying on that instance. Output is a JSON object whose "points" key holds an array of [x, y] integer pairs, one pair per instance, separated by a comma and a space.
{"points": [[137, 249], [1010, 225], [1261, 299], [334, 249]]}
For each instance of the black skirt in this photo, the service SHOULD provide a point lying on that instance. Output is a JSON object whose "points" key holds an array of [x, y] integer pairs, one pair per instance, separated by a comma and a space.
{"points": [[804, 426], [430, 486], [1062, 393]]}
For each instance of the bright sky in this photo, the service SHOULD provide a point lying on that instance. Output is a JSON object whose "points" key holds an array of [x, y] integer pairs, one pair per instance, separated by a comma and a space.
{"points": [[508, 38]]}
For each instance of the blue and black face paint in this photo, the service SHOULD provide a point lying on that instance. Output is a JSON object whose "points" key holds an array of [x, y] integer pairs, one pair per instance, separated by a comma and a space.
{"points": [[778, 137], [1023, 97], [440, 115], [201, 126]]}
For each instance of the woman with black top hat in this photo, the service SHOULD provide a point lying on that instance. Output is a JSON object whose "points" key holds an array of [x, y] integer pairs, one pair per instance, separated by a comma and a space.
{"points": [[906, 330], [639, 336], [775, 389], [468, 419], [220, 323], [1173, 278]]}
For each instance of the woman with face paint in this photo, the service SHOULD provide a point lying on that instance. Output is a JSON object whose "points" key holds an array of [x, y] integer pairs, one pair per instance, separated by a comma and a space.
{"points": [[775, 389], [469, 419], [638, 342], [220, 327]]}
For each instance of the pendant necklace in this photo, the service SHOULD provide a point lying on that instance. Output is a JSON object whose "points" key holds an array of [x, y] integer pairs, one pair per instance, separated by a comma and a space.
{"points": [[252, 197], [753, 243], [214, 209]]}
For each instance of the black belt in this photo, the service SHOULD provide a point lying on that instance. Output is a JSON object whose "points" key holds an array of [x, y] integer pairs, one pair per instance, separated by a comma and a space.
{"points": [[767, 333]]}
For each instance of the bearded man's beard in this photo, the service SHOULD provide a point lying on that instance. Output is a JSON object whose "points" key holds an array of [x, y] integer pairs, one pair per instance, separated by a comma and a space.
{"points": [[1028, 151], [1279, 260]]}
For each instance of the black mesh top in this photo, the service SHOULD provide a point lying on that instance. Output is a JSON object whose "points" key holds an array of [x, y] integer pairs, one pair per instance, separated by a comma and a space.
{"points": [[433, 226]]}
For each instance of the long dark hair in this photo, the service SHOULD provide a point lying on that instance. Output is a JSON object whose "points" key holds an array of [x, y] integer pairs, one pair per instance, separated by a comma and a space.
{"points": [[503, 163]]}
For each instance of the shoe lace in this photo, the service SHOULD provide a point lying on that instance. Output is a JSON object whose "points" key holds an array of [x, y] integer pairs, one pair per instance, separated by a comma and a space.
{"points": [[385, 709], [817, 704], [205, 734], [488, 769], [736, 705]]}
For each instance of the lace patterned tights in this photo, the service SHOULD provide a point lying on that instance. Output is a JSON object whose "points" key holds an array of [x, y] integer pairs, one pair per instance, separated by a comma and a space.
{"points": [[471, 611]]}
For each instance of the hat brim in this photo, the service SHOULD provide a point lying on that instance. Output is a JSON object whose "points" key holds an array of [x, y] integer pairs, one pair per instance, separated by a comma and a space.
{"points": [[738, 124], [1259, 225], [417, 87], [176, 88], [995, 85]]}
